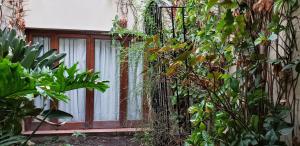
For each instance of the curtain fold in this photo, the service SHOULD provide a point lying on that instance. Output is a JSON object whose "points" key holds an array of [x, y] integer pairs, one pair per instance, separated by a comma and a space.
{"points": [[135, 82], [106, 105], [76, 53], [39, 101]]}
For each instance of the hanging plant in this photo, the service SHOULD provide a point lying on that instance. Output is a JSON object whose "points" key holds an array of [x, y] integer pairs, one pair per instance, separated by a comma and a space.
{"points": [[123, 22], [123, 9]]}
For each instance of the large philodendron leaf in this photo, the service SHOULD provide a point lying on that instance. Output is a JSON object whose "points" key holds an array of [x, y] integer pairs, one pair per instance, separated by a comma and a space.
{"points": [[15, 86], [54, 83], [13, 79], [18, 88], [16, 82], [69, 79]]}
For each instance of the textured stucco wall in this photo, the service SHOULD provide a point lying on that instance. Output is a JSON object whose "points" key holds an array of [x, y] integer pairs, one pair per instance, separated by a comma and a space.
{"points": [[71, 14], [296, 54], [6, 13], [297, 102]]}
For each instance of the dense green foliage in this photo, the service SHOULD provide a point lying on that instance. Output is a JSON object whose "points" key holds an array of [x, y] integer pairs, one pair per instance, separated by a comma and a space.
{"points": [[233, 59], [238, 66]]}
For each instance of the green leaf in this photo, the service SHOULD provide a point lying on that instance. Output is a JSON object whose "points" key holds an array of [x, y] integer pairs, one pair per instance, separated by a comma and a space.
{"points": [[225, 76], [29, 58], [284, 113], [153, 57], [56, 114], [174, 100], [10, 139], [183, 56], [278, 4], [202, 126], [260, 39], [298, 67], [193, 109], [14, 81], [271, 136], [255, 122], [273, 37], [229, 19], [234, 84], [286, 131], [228, 4], [287, 67], [211, 3]]}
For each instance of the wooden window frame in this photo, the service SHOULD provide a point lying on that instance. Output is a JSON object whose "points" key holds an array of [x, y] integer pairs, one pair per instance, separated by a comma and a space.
{"points": [[89, 122]]}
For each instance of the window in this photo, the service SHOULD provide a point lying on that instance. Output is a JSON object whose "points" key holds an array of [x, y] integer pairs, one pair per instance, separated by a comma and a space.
{"points": [[76, 53], [121, 105], [135, 83], [106, 105]]}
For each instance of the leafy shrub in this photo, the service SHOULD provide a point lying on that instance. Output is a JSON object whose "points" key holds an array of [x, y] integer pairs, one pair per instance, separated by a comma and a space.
{"points": [[25, 75]]}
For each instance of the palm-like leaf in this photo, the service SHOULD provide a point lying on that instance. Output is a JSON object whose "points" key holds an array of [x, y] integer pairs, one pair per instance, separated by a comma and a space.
{"points": [[17, 49], [10, 139]]}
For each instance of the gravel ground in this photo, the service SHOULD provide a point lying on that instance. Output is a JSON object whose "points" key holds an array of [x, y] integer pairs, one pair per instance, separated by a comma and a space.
{"points": [[84, 141]]}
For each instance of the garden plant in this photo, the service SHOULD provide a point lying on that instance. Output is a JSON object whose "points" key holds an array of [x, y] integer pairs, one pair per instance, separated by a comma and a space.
{"points": [[27, 74], [238, 67], [216, 73]]}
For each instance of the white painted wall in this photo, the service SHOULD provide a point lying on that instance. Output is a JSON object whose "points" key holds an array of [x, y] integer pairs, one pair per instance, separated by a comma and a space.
{"points": [[6, 13], [71, 14]]}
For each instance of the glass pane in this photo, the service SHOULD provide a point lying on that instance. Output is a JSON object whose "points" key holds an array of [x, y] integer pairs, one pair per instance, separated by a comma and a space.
{"points": [[40, 102], [135, 82], [106, 105], [76, 53], [42, 40]]}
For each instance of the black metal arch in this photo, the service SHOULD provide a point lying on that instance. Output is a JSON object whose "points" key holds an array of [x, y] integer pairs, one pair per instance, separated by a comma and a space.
{"points": [[154, 25]]}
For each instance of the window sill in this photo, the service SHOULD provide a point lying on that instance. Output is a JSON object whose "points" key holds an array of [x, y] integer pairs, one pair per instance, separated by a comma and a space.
{"points": [[89, 131]]}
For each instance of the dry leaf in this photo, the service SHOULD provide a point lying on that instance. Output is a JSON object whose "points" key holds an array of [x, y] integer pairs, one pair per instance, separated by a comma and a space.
{"points": [[263, 6], [200, 58]]}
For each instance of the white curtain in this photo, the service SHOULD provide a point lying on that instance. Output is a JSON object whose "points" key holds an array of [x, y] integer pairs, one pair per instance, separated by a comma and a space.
{"points": [[106, 105], [135, 82], [40, 102], [76, 53]]}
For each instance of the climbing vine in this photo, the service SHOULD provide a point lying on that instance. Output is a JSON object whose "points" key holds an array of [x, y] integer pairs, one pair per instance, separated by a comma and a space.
{"points": [[242, 70], [12, 14], [239, 66]]}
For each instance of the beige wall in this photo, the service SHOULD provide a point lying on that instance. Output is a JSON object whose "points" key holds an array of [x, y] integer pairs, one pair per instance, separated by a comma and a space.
{"points": [[71, 14], [6, 13]]}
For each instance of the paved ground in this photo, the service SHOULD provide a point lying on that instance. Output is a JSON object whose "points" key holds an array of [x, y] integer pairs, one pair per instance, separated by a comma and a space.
{"points": [[84, 141]]}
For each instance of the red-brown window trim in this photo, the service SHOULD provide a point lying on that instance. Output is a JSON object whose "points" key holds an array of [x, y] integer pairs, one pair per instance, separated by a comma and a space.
{"points": [[89, 123]]}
